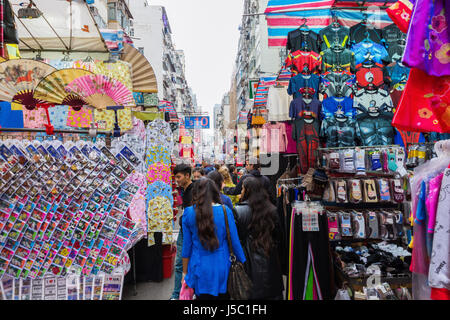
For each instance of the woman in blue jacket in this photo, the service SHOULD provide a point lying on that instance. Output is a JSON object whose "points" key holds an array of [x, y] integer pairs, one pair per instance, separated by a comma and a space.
{"points": [[206, 257]]}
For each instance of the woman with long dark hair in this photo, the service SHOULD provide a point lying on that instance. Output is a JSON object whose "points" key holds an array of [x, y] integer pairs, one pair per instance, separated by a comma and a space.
{"points": [[206, 256], [260, 233]]}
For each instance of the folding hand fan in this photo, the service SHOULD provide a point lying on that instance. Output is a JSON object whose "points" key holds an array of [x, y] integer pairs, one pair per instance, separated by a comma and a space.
{"points": [[100, 91], [142, 76], [19, 78], [52, 88]]}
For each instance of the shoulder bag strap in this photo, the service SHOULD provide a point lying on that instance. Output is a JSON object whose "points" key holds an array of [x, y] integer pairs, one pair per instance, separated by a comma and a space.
{"points": [[230, 246]]}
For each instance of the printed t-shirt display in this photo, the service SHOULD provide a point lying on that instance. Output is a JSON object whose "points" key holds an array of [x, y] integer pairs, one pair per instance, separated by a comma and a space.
{"points": [[337, 84], [331, 35], [278, 101], [333, 104], [338, 132], [379, 99], [298, 60], [359, 32], [303, 81], [370, 77], [370, 51], [302, 39], [341, 59]]}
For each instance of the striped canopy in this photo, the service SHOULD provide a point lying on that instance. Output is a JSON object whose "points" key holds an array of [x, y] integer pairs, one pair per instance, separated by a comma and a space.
{"points": [[263, 90], [286, 15], [167, 106]]}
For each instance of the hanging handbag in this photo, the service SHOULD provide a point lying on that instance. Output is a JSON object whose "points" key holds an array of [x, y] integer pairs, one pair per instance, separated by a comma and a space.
{"points": [[239, 284]]}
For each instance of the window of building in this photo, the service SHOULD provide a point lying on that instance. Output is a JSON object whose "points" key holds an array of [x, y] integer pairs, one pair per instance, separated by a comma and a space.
{"points": [[112, 11], [141, 50]]}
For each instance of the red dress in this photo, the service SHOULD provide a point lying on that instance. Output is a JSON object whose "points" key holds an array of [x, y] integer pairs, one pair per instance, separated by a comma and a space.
{"points": [[425, 104]]}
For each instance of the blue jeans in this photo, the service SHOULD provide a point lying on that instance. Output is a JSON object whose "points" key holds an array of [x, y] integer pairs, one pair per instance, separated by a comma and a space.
{"points": [[178, 268]]}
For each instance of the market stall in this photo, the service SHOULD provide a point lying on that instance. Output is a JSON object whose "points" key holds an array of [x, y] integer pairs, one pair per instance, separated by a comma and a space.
{"points": [[349, 170]]}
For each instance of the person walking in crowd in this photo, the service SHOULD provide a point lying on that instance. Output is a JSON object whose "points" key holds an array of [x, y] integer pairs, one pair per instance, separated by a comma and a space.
{"points": [[253, 170], [198, 173], [233, 173], [206, 256], [182, 174], [260, 232], [218, 180], [228, 182]]}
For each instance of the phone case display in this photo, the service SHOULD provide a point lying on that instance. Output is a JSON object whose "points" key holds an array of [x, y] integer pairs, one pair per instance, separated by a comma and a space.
{"points": [[64, 209], [385, 160], [159, 197], [366, 224]]}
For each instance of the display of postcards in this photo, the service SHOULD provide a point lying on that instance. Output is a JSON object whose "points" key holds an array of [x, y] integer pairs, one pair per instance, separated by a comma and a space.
{"points": [[30, 234], [4, 216], [97, 197], [6, 254], [108, 169], [120, 174], [126, 196], [27, 242], [124, 232], [112, 223], [108, 154], [6, 207], [18, 262], [78, 234], [106, 189], [13, 271], [11, 243], [3, 264], [76, 182], [107, 232], [124, 164], [121, 205], [128, 223], [14, 235], [116, 213], [92, 207], [38, 215]]}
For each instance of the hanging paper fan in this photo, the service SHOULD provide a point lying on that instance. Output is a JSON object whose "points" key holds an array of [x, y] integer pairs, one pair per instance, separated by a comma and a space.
{"points": [[100, 91], [52, 88], [19, 78], [142, 76]]}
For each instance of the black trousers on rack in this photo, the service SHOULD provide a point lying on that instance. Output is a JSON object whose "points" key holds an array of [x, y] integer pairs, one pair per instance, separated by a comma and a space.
{"points": [[321, 259], [148, 261]]}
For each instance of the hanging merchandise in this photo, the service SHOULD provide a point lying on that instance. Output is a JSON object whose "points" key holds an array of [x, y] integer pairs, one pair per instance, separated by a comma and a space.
{"points": [[278, 101], [338, 58], [431, 223], [303, 39], [52, 88], [335, 33], [367, 101], [338, 131], [365, 30], [395, 41], [10, 118], [370, 76], [427, 45], [369, 51], [159, 199], [84, 196], [305, 62], [19, 78], [309, 81], [337, 84], [334, 104]]}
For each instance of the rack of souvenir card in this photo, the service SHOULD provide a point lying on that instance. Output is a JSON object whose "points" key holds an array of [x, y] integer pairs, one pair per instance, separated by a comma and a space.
{"points": [[63, 216]]}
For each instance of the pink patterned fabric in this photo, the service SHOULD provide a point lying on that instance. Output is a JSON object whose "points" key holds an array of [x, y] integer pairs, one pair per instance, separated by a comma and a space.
{"points": [[137, 206], [159, 172], [34, 118], [79, 119], [432, 201]]}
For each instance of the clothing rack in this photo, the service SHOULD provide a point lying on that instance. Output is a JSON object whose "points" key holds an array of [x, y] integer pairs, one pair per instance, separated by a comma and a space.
{"points": [[360, 147], [290, 179]]}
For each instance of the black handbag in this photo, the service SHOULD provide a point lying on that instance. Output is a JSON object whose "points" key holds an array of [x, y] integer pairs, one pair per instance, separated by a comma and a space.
{"points": [[239, 284]]}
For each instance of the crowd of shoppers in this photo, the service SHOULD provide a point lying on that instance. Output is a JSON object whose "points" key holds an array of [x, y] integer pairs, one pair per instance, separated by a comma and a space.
{"points": [[203, 257]]}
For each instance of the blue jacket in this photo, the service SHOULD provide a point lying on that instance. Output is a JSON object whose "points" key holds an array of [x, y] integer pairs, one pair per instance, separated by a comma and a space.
{"points": [[208, 271], [226, 201]]}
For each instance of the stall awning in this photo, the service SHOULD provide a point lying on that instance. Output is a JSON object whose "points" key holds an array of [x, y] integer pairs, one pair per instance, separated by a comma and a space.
{"points": [[63, 26], [285, 15], [142, 75]]}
